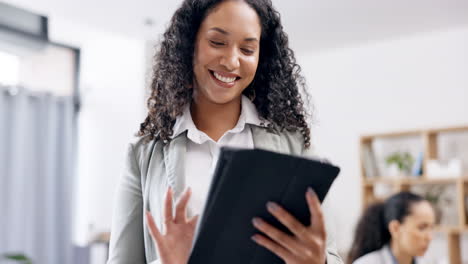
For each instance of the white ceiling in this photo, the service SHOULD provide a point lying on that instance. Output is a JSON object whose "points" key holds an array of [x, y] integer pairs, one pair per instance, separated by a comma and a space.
{"points": [[311, 24]]}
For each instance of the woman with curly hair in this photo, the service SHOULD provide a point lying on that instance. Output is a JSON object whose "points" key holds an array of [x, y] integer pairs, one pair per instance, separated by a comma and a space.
{"points": [[393, 232], [223, 76]]}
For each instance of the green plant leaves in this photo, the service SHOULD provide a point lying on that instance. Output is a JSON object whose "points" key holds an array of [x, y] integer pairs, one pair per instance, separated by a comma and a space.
{"points": [[403, 160], [18, 257]]}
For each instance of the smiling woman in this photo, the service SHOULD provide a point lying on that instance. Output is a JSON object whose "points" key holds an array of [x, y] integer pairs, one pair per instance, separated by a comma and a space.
{"points": [[223, 76], [226, 53], [225, 60], [277, 83]]}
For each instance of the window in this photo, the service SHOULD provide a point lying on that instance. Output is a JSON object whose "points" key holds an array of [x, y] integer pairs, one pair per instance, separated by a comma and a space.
{"points": [[9, 69]]}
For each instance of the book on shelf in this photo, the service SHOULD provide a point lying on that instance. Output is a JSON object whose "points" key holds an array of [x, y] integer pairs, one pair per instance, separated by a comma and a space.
{"points": [[369, 162], [417, 169]]}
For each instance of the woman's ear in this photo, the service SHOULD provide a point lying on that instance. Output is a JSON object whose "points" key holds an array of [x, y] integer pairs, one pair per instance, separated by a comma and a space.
{"points": [[394, 227]]}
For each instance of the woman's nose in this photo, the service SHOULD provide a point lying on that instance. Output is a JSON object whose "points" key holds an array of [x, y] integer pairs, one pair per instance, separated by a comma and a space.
{"points": [[230, 60], [429, 236]]}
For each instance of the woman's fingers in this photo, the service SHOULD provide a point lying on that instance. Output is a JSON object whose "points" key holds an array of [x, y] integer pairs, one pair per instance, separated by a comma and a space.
{"points": [[168, 206], [316, 222], [193, 221], [307, 243], [181, 206], [277, 236], [152, 227], [193, 218], [289, 221], [272, 246]]}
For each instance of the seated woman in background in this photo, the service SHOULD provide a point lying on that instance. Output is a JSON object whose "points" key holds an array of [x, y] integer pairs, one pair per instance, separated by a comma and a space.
{"points": [[393, 232]]}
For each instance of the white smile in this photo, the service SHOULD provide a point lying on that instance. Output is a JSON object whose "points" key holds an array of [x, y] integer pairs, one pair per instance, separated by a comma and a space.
{"points": [[224, 79]]}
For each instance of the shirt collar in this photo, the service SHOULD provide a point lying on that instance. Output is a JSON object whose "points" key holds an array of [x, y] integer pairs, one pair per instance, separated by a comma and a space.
{"points": [[249, 115], [394, 260]]}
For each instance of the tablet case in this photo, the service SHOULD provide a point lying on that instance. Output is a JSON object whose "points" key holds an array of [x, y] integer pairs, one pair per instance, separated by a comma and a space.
{"points": [[244, 181]]}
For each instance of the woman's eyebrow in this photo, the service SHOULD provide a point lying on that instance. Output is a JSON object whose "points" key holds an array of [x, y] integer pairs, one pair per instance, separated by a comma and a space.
{"points": [[224, 32]]}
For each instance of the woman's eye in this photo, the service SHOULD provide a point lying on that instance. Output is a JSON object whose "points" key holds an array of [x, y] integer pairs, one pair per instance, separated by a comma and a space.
{"points": [[248, 51], [216, 43], [424, 227]]}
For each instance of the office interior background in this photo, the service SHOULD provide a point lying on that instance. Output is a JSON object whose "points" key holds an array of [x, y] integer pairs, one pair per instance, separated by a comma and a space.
{"points": [[74, 78]]}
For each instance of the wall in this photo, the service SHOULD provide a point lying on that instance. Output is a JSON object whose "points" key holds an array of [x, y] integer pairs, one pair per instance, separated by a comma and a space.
{"points": [[417, 81]]}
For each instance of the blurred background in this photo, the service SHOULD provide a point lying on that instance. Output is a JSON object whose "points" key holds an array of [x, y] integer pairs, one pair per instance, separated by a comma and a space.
{"points": [[389, 85]]}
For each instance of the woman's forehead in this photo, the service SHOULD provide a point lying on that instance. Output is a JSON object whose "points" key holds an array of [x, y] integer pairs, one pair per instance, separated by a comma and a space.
{"points": [[421, 211], [233, 17]]}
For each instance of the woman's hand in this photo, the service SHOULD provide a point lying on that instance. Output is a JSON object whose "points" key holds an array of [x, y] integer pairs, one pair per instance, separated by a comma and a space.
{"points": [[174, 246], [306, 246]]}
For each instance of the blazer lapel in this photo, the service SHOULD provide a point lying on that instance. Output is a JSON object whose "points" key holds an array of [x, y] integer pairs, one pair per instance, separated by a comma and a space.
{"points": [[264, 139], [174, 159]]}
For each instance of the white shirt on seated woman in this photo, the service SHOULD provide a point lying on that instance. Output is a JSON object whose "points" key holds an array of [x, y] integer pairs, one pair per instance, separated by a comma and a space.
{"points": [[381, 256]]}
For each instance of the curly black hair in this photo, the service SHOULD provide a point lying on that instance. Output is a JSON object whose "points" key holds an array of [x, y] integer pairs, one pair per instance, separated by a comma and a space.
{"points": [[275, 87]]}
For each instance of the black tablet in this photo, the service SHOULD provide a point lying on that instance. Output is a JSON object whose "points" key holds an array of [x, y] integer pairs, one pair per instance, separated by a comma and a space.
{"points": [[244, 181]]}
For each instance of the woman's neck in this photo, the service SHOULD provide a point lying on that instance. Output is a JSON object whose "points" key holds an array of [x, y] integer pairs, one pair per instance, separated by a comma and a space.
{"points": [[215, 119], [400, 255]]}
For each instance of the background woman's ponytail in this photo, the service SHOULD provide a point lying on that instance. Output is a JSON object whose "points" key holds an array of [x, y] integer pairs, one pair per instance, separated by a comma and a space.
{"points": [[372, 229], [371, 232]]}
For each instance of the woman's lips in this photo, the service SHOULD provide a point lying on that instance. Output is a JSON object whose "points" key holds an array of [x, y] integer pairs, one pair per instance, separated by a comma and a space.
{"points": [[225, 77]]}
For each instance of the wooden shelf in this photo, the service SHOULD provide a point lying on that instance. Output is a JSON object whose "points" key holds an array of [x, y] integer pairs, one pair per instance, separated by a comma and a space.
{"points": [[450, 229], [367, 138], [430, 150], [103, 237], [416, 132], [415, 181], [450, 129]]}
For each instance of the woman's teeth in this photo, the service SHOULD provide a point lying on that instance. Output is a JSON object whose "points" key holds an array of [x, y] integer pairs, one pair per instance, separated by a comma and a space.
{"points": [[224, 79]]}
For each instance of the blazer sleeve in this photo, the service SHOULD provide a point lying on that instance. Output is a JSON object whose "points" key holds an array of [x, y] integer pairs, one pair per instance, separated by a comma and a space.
{"points": [[332, 253], [127, 241]]}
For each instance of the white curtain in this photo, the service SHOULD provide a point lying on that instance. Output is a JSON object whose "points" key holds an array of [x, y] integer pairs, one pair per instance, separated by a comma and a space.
{"points": [[37, 143]]}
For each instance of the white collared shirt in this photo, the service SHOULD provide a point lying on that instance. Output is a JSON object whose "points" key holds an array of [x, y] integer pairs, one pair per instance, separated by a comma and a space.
{"points": [[202, 151]]}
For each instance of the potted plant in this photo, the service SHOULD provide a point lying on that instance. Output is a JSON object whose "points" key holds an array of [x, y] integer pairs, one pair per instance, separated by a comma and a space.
{"points": [[402, 162], [21, 258]]}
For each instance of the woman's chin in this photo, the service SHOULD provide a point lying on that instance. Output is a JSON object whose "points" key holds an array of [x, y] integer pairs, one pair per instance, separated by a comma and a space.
{"points": [[215, 95], [421, 252], [223, 98]]}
